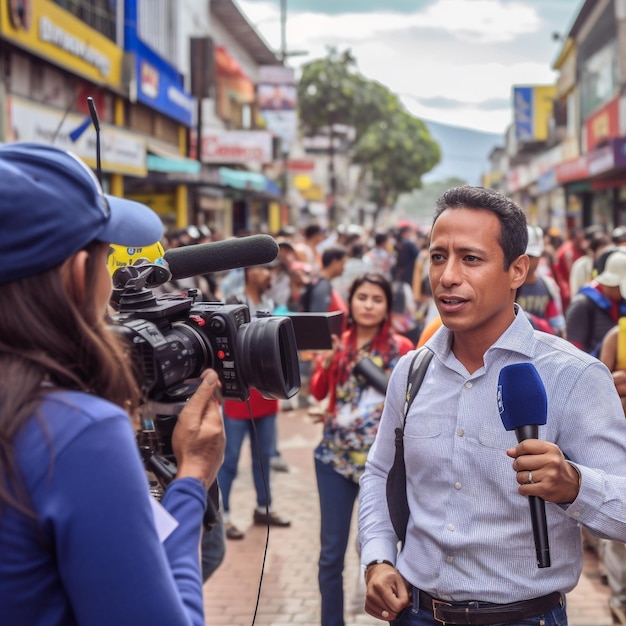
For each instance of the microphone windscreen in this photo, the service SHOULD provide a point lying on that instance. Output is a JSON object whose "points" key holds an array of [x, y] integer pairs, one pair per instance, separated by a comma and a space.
{"points": [[218, 256], [522, 399]]}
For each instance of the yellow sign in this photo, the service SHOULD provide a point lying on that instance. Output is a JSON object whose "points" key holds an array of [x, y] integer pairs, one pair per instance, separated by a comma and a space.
{"points": [[314, 193], [162, 203], [544, 97], [45, 29], [302, 182]]}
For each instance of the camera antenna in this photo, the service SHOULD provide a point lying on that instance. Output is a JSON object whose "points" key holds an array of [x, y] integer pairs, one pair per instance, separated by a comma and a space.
{"points": [[96, 125]]}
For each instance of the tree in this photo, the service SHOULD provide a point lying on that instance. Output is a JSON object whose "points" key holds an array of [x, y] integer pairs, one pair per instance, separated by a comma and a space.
{"points": [[331, 91], [391, 145], [398, 150]]}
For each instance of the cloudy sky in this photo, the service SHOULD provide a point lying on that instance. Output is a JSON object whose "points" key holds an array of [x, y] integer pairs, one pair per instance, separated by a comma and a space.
{"points": [[450, 61]]}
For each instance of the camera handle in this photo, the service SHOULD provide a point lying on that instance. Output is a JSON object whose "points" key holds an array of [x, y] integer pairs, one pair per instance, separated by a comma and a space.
{"points": [[158, 421]]}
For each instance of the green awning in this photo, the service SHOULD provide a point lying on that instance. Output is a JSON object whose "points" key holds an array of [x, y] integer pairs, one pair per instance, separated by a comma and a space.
{"points": [[240, 179], [175, 165]]}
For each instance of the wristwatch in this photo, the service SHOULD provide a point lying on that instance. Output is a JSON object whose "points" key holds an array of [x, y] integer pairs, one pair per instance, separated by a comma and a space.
{"points": [[377, 562]]}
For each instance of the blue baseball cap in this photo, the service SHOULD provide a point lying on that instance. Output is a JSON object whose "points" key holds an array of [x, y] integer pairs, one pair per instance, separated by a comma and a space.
{"points": [[52, 206]]}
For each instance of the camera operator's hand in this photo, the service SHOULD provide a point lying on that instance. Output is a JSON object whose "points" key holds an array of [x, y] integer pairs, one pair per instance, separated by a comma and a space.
{"points": [[198, 440]]}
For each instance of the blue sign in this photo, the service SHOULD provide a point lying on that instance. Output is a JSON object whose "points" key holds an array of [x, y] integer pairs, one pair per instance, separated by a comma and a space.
{"points": [[547, 181], [159, 84], [524, 114]]}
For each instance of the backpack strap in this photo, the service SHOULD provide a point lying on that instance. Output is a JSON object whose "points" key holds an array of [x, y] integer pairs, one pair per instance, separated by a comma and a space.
{"points": [[417, 371]]}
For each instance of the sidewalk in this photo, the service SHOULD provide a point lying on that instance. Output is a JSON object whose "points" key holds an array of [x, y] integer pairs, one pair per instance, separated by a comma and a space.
{"points": [[289, 590]]}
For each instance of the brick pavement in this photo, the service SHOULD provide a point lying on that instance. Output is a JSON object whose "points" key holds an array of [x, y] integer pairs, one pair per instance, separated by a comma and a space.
{"points": [[289, 592]]}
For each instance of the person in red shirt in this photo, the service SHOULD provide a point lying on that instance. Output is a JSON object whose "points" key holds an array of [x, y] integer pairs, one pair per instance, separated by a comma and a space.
{"points": [[568, 252], [259, 422]]}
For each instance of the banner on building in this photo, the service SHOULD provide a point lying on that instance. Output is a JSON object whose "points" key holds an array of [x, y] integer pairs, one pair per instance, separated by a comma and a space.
{"points": [[123, 152], [532, 109], [50, 32], [236, 146], [277, 100]]}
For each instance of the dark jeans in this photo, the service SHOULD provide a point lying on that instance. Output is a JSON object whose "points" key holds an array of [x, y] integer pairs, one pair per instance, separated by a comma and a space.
{"points": [[261, 445], [213, 548], [412, 616], [337, 497]]}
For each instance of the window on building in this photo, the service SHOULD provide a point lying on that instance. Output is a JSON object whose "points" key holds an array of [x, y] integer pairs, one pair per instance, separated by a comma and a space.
{"points": [[599, 81], [101, 15]]}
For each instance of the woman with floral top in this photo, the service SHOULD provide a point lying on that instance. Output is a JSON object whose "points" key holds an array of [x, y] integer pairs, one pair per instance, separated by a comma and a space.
{"points": [[354, 409]]}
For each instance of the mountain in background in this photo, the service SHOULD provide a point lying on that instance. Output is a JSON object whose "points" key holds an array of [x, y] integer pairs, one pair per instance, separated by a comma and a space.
{"points": [[464, 159], [464, 152]]}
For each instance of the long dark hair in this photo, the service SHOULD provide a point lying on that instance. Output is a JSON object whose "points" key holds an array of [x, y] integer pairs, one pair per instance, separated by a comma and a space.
{"points": [[53, 337], [384, 343]]}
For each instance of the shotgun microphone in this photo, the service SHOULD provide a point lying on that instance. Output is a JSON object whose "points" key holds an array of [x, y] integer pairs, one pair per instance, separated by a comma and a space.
{"points": [[218, 256], [523, 407]]}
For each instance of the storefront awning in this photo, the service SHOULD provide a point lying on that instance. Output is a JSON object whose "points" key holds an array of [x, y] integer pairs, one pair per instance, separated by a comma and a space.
{"points": [[161, 160], [249, 181], [242, 180]]}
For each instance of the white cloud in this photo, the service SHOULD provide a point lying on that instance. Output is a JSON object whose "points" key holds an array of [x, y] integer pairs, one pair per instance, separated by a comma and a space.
{"points": [[480, 21], [438, 52]]}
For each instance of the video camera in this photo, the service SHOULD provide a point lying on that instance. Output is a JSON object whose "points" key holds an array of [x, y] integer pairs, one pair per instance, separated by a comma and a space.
{"points": [[173, 338]]}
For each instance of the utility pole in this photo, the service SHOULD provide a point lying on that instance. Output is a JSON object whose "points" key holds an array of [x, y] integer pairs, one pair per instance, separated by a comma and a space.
{"points": [[283, 30], [283, 147]]}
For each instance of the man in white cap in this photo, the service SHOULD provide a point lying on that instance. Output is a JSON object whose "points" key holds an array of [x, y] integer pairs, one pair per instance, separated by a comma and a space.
{"points": [[598, 305], [539, 296]]}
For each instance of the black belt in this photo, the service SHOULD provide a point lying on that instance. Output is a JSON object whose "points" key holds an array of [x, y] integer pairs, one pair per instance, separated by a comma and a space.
{"points": [[486, 612]]}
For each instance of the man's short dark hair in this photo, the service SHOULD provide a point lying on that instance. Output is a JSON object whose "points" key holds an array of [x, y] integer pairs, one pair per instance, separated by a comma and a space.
{"points": [[311, 230], [381, 238], [333, 253], [513, 231]]}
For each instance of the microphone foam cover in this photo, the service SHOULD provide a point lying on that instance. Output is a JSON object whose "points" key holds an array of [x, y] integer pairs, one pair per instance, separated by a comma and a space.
{"points": [[522, 396], [218, 256]]}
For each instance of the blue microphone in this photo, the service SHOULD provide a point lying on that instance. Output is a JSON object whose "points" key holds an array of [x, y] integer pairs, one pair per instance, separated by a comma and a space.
{"points": [[523, 407]]}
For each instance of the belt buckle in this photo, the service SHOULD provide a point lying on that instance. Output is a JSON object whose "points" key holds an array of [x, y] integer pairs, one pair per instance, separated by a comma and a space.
{"points": [[436, 603]]}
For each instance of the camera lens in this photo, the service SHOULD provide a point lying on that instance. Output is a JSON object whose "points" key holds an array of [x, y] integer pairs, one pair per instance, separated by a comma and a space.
{"points": [[268, 357]]}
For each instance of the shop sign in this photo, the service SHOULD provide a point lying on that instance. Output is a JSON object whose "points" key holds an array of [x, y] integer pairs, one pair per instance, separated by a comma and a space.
{"points": [[54, 34], [602, 125], [234, 146], [512, 180], [619, 148], [575, 169], [315, 193], [532, 108], [547, 182], [122, 152], [160, 86], [300, 165], [282, 124], [601, 160], [277, 99]]}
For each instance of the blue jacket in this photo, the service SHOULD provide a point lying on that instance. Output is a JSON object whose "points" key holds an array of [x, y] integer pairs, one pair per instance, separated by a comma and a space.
{"points": [[92, 555]]}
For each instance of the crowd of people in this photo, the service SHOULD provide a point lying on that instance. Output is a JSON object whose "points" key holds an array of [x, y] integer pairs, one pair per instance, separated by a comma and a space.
{"points": [[480, 291], [572, 289]]}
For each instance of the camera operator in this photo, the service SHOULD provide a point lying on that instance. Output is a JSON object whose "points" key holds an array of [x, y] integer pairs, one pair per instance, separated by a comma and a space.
{"points": [[81, 540]]}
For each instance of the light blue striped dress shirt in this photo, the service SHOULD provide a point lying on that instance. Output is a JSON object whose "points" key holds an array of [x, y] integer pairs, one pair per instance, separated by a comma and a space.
{"points": [[470, 535]]}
